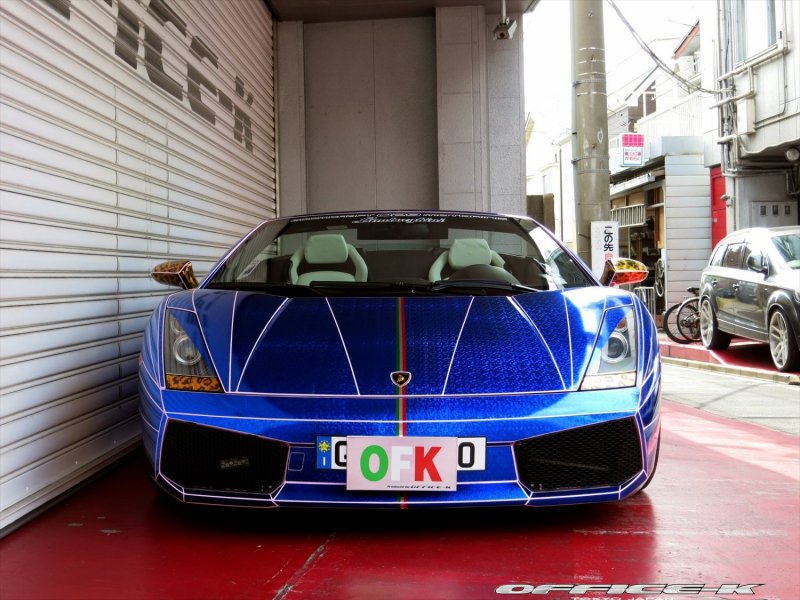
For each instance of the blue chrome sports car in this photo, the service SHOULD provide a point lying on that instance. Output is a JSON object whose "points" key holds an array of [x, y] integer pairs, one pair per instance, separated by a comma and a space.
{"points": [[400, 359]]}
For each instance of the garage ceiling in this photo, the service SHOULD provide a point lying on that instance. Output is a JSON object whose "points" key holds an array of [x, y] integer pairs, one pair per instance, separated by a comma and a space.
{"points": [[321, 11]]}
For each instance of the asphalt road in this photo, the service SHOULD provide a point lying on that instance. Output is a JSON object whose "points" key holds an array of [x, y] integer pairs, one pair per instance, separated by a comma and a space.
{"points": [[773, 405]]}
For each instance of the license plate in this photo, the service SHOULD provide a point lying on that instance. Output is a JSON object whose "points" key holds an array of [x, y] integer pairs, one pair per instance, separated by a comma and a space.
{"points": [[401, 463]]}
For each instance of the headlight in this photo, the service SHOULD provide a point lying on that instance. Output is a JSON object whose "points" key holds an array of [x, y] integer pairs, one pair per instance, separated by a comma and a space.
{"points": [[613, 361], [185, 358]]}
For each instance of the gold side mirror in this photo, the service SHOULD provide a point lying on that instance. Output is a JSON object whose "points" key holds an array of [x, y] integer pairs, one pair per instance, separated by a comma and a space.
{"points": [[623, 271], [178, 273]]}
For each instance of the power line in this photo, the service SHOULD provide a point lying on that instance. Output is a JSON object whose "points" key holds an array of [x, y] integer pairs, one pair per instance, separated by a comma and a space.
{"points": [[659, 63]]}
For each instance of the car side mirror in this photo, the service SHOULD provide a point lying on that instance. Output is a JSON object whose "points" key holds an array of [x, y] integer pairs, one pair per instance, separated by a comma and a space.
{"points": [[623, 271], [757, 263], [177, 273]]}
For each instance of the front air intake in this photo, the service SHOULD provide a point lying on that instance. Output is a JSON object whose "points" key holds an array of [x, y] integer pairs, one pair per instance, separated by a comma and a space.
{"points": [[206, 458], [603, 455]]}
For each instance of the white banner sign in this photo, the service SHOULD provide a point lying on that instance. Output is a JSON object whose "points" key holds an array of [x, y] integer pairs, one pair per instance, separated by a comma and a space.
{"points": [[605, 244]]}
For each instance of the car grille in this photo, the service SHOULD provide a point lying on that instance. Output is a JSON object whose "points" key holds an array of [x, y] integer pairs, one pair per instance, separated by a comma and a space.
{"points": [[206, 458], [602, 455]]}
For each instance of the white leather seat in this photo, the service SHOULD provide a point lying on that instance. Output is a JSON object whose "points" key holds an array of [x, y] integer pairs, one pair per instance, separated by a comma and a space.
{"points": [[326, 250], [465, 253]]}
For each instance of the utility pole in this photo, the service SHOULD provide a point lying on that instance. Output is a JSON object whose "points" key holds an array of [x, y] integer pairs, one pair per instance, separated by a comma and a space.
{"points": [[590, 121]]}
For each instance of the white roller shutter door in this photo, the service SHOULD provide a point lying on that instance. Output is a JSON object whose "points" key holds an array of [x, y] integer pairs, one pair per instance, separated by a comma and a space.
{"points": [[131, 132]]}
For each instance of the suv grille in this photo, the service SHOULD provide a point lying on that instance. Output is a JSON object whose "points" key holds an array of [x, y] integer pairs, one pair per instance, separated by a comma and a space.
{"points": [[206, 458], [602, 455]]}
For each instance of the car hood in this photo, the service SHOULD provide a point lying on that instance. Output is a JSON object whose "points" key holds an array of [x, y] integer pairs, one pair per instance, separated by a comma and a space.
{"points": [[451, 345]]}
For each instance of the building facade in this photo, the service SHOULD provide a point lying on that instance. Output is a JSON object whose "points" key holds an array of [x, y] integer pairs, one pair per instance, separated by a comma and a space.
{"points": [[756, 133]]}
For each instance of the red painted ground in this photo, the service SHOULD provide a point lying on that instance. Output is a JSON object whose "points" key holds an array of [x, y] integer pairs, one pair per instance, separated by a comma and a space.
{"points": [[724, 508], [741, 353]]}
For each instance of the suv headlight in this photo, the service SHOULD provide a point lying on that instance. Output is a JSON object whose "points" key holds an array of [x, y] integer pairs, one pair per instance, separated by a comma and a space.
{"points": [[186, 360], [613, 361]]}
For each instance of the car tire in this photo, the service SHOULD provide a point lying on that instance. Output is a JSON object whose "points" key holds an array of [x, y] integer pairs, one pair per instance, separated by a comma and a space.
{"points": [[712, 337], [782, 342]]}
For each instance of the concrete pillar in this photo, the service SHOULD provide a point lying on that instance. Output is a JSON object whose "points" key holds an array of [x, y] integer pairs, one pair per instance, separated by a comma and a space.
{"points": [[506, 111], [461, 103], [480, 112]]}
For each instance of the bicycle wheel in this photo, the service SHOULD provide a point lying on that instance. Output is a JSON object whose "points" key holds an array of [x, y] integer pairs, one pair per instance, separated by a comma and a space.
{"points": [[658, 283], [688, 318], [670, 325]]}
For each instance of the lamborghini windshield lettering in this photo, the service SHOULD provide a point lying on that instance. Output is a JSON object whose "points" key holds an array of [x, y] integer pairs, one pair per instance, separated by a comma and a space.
{"points": [[399, 254]]}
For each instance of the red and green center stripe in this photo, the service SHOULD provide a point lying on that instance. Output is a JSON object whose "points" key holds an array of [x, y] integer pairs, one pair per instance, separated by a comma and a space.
{"points": [[401, 365]]}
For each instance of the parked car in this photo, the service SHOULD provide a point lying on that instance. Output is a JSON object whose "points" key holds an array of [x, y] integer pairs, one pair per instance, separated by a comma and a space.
{"points": [[395, 359], [751, 289]]}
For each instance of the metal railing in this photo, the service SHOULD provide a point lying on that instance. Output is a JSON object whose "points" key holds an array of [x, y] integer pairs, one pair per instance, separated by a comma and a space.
{"points": [[683, 118], [648, 297]]}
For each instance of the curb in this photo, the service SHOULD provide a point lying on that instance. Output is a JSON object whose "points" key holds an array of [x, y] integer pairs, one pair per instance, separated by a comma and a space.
{"points": [[787, 378]]}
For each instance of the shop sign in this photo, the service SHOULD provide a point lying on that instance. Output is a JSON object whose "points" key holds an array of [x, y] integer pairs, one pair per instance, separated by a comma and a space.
{"points": [[632, 149], [605, 244]]}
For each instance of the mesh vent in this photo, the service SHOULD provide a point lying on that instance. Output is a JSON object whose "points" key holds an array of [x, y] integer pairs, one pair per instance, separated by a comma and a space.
{"points": [[205, 458], [602, 455]]}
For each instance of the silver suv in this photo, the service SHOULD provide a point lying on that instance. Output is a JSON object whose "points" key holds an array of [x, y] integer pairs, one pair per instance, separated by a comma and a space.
{"points": [[751, 288]]}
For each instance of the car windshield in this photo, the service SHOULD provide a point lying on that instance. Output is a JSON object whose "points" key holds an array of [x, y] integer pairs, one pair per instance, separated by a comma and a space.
{"points": [[402, 253], [788, 247]]}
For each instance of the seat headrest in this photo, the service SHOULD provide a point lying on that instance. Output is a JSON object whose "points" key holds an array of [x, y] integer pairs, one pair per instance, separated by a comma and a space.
{"points": [[325, 249], [467, 252]]}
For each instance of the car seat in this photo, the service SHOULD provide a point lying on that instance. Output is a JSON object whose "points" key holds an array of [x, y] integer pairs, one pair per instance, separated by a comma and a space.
{"points": [[465, 253], [325, 257]]}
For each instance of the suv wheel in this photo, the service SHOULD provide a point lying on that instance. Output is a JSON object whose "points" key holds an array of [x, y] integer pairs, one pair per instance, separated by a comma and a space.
{"points": [[782, 344], [712, 337]]}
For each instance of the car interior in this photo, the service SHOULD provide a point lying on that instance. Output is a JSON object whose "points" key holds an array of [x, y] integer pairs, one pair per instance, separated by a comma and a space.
{"points": [[416, 254]]}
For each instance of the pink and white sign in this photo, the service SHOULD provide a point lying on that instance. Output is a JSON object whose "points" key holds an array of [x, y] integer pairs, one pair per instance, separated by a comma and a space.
{"points": [[632, 149]]}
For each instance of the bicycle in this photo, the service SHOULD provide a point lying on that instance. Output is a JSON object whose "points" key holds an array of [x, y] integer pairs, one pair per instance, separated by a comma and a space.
{"points": [[658, 282], [682, 320]]}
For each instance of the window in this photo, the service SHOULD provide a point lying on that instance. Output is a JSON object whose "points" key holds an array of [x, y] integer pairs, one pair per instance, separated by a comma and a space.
{"points": [[753, 258], [788, 247], [390, 253], [753, 27], [716, 258], [733, 256]]}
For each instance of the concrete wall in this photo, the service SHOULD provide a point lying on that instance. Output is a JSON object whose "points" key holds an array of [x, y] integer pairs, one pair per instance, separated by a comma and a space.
{"points": [[370, 114], [762, 201], [404, 113]]}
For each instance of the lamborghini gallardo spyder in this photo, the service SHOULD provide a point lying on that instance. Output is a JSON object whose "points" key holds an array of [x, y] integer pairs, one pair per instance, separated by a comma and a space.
{"points": [[400, 359]]}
